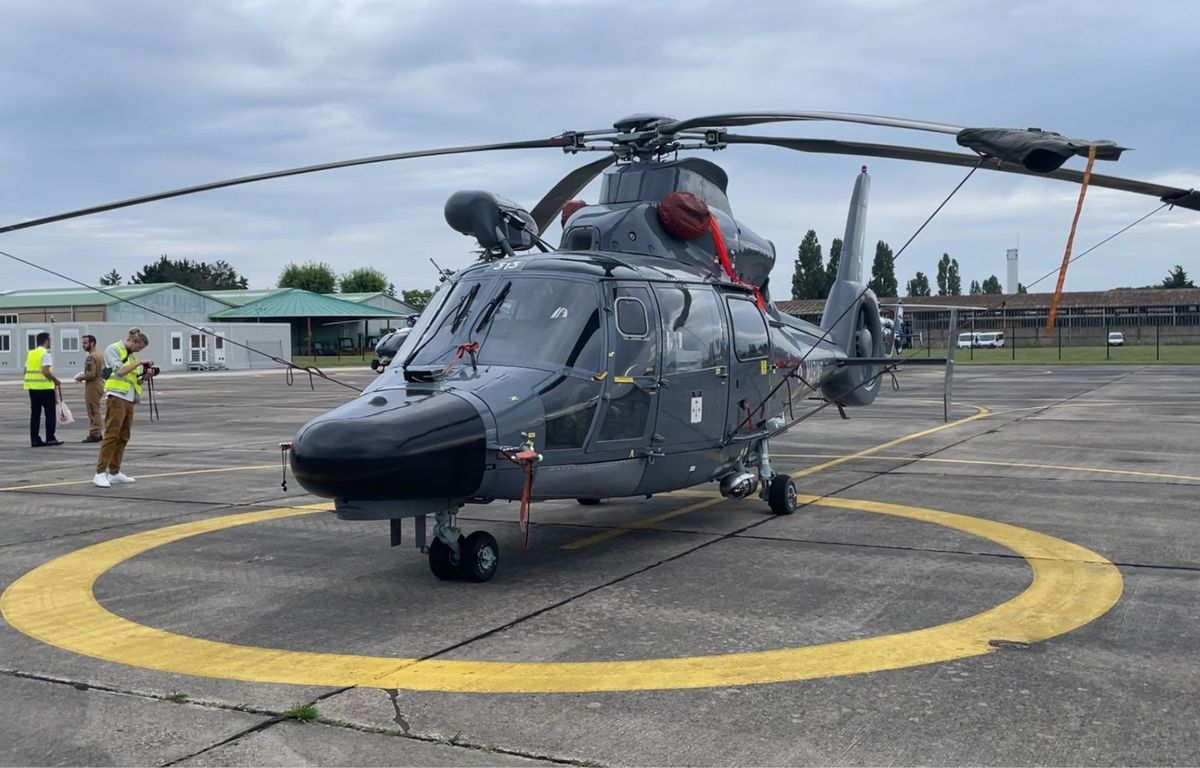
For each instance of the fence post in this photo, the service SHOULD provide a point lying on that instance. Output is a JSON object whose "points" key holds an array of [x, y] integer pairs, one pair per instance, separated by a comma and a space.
{"points": [[1060, 342], [1107, 347], [1157, 335]]}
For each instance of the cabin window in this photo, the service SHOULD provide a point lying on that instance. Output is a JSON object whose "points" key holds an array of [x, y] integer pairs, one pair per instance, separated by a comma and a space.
{"points": [[750, 338], [570, 404], [5, 342], [631, 318], [693, 329]]}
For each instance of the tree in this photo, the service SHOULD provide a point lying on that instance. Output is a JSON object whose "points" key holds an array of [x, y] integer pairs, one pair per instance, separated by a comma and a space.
{"points": [[1021, 288], [883, 271], [943, 270], [416, 298], [953, 279], [831, 269], [112, 278], [197, 275], [391, 290], [312, 276], [919, 285], [808, 278], [992, 285], [363, 280], [1177, 278], [976, 288]]}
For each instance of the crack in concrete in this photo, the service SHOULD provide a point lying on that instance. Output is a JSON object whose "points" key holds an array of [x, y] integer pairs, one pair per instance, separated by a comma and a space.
{"points": [[394, 695]]}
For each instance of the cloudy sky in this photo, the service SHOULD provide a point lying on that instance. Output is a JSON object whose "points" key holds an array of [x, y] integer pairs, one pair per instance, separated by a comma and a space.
{"points": [[109, 100]]}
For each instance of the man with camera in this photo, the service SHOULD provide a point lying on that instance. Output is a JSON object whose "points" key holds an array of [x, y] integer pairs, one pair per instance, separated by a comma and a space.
{"points": [[123, 390]]}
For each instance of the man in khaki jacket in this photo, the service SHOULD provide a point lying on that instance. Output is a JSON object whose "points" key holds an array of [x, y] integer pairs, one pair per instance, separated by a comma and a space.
{"points": [[93, 391]]}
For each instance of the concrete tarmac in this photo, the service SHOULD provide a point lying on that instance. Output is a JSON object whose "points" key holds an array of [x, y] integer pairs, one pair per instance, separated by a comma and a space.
{"points": [[889, 621]]}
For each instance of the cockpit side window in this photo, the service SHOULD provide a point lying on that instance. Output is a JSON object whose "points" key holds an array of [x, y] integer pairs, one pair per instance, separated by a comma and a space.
{"points": [[750, 338], [694, 336]]}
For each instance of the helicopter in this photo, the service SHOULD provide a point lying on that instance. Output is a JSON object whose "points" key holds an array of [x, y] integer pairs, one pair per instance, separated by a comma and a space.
{"points": [[643, 354]]}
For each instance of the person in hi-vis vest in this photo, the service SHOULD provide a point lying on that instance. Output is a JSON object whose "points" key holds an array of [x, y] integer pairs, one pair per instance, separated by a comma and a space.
{"points": [[41, 382], [122, 390]]}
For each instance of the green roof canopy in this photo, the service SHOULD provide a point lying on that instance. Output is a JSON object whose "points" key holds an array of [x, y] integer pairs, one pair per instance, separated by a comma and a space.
{"points": [[293, 302]]}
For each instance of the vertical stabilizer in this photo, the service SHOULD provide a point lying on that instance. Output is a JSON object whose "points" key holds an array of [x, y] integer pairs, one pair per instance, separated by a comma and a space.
{"points": [[851, 317], [849, 282]]}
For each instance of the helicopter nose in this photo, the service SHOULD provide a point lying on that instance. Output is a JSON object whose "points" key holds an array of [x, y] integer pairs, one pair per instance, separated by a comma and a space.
{"points": [[392, 445]]}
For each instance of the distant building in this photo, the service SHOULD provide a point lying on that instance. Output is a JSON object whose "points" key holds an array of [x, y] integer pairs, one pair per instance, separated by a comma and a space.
{"points": [[1084, 317], [193, 329]]}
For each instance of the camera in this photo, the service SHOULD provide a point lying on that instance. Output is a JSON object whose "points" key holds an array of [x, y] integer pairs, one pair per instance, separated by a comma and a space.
{"points": [[150, 370]]}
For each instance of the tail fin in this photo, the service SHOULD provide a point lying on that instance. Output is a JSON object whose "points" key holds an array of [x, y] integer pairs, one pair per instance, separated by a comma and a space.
{"points": [[851, 317]]}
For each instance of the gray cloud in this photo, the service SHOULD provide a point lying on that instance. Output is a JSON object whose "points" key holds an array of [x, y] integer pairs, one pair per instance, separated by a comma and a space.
{"points": [[105, 101]]}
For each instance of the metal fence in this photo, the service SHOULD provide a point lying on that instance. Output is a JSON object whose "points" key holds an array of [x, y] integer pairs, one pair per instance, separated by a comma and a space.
{"points": [[1084, 337]]}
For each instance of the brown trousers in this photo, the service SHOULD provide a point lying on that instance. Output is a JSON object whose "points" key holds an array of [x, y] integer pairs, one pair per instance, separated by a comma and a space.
{"points": [[118, 421], [92, 397]]}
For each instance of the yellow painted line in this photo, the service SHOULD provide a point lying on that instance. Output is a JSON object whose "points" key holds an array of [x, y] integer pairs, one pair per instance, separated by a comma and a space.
{"points": [[612, 533], [980, 413], [54, 603], [145, 477], [1019, 464]]}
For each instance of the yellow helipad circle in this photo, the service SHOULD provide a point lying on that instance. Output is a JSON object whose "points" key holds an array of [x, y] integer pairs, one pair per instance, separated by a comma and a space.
{"points": [[54, 603]]}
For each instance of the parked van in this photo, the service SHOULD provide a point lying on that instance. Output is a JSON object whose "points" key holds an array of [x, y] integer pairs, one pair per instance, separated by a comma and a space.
{"points": [[966, 340], [991, 340]]}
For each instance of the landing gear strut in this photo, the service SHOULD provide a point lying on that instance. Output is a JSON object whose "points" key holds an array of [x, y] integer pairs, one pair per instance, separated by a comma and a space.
{"points": [[778, 490], [455, 556]]}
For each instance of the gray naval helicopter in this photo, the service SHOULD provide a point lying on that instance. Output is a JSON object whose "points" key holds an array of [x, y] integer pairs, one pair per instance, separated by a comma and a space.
{"points": [[642, 355]]}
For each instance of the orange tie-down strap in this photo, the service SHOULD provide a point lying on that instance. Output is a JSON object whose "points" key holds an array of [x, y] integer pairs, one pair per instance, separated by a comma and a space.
{"points": [[1062, 271], [525, 458]]}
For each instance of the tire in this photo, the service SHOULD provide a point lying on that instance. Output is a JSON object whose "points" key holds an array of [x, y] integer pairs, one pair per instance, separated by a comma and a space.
{"points": [[588, 502], [782, 496], [481, 557], [441, 559]]}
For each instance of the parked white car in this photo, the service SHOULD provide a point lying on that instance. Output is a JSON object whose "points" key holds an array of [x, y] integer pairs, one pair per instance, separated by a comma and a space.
{"points": [[991, 340], [1116, 339]]}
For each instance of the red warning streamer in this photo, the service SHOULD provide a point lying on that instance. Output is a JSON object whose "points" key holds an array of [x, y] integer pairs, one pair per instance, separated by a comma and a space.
{"points": [[723, 257], [526, 458]]}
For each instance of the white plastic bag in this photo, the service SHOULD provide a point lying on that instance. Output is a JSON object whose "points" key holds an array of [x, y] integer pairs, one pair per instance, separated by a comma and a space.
{"points": [[64, 413]]}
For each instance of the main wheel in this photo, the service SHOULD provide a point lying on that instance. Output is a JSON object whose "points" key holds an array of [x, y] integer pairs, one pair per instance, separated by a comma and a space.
{"points": [[480, 557], [588, 502], [441, 559], [782, 495]]}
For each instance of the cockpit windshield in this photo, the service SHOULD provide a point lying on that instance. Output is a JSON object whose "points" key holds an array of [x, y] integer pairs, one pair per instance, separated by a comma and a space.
{"points": [[545, 322], [538, 321]]}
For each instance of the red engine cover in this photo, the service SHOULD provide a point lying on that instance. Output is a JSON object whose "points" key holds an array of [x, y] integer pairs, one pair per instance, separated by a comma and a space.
{"points": [[683, 215]]}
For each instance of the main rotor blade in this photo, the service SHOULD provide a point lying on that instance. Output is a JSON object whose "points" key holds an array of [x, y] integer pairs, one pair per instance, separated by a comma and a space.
{"points": [[758, 118], [556, 141], [1184, 198], [570, 186]]}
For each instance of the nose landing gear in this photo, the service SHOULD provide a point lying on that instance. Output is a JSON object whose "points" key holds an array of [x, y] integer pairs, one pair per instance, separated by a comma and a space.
{"points": [[468, 558]]}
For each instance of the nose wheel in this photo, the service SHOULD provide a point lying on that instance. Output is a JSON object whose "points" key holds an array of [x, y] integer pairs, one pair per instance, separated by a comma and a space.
{"points": [[477, 559], [782, 495]]}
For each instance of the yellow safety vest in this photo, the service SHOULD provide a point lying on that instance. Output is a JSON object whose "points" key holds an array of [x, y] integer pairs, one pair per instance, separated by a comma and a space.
{"points": [[34, 379], [128, 382]]}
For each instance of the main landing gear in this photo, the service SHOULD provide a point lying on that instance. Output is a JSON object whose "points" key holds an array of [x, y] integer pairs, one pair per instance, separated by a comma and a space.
{"points": [[455, 556]]}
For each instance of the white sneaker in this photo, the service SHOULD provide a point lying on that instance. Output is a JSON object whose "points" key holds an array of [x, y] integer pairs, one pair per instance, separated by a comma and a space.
{"points": [[120, 477], [101, 481]]}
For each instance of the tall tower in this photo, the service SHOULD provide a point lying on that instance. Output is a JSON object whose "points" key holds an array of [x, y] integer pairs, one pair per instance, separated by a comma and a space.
{"points": [[1012, 271]]}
